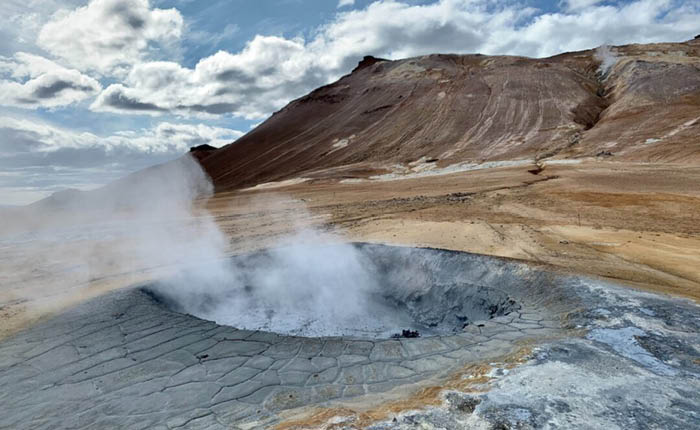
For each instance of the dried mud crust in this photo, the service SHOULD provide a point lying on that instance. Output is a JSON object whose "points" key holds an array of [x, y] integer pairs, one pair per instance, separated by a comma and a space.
{"points": [[636, 367], [125, 361], [597, 356]]}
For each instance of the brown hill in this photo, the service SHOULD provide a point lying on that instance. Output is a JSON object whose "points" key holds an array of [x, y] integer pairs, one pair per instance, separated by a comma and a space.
{"points": [[447, 109]]}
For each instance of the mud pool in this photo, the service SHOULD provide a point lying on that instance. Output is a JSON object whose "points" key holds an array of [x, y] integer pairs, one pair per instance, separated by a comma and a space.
{"points": [[601, 356], [424, 291]]}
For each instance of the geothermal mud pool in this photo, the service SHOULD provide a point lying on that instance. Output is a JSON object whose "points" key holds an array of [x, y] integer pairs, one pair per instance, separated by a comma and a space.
{"points": [[602, 356], [364, 292]]}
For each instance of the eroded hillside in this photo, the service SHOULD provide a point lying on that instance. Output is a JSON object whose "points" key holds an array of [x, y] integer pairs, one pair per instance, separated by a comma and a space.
{"points": [[633, 103]]}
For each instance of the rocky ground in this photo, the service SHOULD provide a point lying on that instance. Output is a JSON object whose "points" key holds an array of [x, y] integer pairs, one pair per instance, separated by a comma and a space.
{"points": [[577, 353], [633, 103], [634, 223], [620, 359], [635, 366], [565, 166]]}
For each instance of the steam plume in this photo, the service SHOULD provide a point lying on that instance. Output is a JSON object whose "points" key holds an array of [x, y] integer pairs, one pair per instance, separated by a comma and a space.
{"points": [[152, 225], [74, 245], [607, 59]]}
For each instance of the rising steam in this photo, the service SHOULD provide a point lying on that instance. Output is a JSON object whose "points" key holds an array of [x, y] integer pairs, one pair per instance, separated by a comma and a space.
{"points": [[303, 286], [607, 59], [153, 226], [77, 244], [151, 229], [308, 283]]}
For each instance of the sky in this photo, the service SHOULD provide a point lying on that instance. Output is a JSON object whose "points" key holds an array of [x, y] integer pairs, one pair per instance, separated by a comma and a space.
{"points": [[91, 90]]}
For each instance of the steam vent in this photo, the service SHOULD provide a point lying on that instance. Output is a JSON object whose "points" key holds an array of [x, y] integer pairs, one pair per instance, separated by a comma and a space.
{"points": [[149, 358], [444, 241]]}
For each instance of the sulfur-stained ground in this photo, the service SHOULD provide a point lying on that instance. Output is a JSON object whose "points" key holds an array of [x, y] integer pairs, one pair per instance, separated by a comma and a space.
{"points": [[629, 359], [638, 224], [575, 353]]}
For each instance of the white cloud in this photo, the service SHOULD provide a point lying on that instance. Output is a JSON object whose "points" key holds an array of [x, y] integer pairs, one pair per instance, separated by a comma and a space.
{"points": [[37, 158], [23, 64], [248, 84], [109, 36], [643, 21], [21, 21], [272, 70], [578, 4], [39, 82], [39, 137], [343, 3], [175, 137], [129, 40]]}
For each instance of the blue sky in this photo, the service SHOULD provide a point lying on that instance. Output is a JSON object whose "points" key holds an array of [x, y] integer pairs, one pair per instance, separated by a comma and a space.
{"points": [[95, 89]]}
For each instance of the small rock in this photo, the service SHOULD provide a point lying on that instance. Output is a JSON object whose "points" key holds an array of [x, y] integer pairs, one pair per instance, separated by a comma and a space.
{"points": [[462, 403], [406, 333]]}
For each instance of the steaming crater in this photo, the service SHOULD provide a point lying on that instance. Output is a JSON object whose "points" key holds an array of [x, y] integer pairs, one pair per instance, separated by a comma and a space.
{"points": [[123, 360], [350, 290]]}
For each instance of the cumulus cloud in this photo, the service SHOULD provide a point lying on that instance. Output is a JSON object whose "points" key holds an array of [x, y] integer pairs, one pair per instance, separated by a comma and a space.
{"points": [[133, 47], [21, 21], [508, 28], [23, 135], [118, 37], [37, 158], [38, 82], [642, 21], [249, 84], [343, 3], [109, 36], [177, 138], [272, 70]]}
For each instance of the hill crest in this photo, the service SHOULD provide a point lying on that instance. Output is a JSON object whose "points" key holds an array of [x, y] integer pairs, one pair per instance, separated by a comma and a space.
{"points": [[641, 106]]}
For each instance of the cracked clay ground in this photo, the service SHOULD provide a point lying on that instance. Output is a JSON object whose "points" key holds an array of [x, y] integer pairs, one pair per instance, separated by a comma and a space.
{"points": [[592, 354], [125, 361]]}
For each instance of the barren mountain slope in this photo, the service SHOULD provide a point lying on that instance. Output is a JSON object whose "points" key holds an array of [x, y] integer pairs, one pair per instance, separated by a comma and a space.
{"points": [[473, 108]]}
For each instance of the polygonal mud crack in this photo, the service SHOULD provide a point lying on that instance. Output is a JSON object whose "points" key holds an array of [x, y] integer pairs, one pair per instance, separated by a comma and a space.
{"points": [[125, 360]]}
